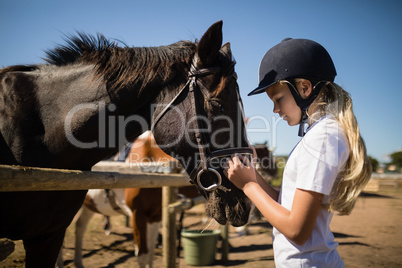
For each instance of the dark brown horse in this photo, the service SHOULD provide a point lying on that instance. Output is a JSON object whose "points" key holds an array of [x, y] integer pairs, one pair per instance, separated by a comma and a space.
{"points": [[92, 98]]}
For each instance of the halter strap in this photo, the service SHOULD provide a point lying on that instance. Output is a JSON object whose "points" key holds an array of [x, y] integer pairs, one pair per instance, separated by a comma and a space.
{"points": [[202, 167], [161, 114], [193, 74]]}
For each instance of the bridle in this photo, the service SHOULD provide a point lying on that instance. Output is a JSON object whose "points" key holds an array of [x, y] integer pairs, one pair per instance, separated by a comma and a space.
{"points": [[205, 159]]}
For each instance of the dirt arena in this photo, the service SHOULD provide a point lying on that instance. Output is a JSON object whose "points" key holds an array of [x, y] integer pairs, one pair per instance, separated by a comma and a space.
{"points": [[369, 237]]}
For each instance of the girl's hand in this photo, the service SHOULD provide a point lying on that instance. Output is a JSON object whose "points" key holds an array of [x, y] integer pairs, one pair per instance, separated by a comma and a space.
{"points": [[240, 171]]}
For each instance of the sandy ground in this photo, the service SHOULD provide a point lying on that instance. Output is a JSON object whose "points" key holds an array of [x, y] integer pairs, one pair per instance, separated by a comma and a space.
{"points": [[369, 237]]}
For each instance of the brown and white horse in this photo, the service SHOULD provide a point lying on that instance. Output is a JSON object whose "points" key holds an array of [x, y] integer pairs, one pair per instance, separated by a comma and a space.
{"points": [[142, 205], [108, 202]]}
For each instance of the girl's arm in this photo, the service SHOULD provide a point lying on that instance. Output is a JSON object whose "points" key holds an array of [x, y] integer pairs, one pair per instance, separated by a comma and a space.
{"points": [[273, 193], [296, 224]]}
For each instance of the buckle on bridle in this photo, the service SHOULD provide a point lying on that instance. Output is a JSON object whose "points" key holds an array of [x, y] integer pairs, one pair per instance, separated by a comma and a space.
{"points": [[212, 186], [197, 172]]}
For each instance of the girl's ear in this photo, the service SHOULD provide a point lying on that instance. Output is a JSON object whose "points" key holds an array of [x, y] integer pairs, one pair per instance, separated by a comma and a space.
{"points": [[305, 88]]}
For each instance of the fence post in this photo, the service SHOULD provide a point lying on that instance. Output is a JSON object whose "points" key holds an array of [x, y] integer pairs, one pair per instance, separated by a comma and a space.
{"points": [[225, 242], [169, 228]]}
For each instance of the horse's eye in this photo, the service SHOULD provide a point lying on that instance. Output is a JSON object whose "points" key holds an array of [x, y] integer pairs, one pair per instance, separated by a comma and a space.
{"points": [[216, 106]]}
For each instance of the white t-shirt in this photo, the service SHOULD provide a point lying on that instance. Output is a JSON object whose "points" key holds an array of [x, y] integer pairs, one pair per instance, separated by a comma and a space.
{"points": [[313, 165]]}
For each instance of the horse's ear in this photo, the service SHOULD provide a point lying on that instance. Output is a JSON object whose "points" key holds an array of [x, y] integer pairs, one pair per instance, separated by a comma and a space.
{"points": [[209, 45], [226, 50]]}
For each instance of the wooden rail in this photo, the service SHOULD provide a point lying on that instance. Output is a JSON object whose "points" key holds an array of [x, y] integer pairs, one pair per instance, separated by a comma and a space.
{"points": [[108, 175], [19, 178], [378, 182]]}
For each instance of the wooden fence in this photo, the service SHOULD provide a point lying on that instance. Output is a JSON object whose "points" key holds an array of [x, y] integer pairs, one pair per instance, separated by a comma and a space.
{"points": [[385, 181], [107, 175], [18, 178]]}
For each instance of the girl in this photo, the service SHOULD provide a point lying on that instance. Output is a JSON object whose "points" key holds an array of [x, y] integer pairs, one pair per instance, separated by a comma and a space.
{"points": [[326, 170]]}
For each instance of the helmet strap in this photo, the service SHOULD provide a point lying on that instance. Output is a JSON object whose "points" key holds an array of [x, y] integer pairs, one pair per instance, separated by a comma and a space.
{"points": [[304, 104], [303, 122]]}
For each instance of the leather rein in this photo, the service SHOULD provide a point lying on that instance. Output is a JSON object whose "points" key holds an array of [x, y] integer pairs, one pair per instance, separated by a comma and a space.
{"points": [[203, 166]]}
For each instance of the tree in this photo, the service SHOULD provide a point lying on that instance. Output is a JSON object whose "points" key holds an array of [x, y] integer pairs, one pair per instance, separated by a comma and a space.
{"points": [[396, 159], [374, 163]]}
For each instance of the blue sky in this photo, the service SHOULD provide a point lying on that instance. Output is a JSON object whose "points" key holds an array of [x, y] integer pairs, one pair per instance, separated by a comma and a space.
{"points": [[364, 38]]}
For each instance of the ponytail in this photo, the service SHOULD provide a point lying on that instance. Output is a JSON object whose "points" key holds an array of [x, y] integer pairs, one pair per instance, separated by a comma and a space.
{"points": [[357, 170]]}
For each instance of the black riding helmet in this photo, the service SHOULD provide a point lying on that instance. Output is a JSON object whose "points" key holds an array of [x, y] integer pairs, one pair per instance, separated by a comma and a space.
{"points": [[296, 58]]}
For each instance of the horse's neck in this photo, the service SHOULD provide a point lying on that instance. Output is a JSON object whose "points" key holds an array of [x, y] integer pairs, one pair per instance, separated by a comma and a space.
{"points": [[80, 117], [96, 112]]}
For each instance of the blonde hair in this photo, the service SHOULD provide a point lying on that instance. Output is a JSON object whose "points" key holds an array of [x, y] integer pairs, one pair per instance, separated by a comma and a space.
{"points": [[335, 101]]}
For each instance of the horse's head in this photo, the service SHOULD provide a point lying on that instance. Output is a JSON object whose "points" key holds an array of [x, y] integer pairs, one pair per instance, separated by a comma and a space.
{"points": [[203, 125]]}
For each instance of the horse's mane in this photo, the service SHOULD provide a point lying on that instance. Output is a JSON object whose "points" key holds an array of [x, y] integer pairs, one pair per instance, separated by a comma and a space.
{"points": [[121, 66], [76, 47], [124, 66], [18, 68]]}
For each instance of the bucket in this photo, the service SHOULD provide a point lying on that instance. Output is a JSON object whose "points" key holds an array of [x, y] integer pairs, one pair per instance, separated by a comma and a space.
{"points": [[199, 247]]}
